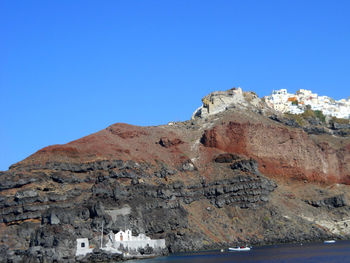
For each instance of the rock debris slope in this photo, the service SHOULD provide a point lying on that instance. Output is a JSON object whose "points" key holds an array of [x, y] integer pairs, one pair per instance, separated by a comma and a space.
{"points": [[237, 172]]}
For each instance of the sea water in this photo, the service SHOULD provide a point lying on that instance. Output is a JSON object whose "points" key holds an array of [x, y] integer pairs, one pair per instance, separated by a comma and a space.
{"points": [[291, 253]]}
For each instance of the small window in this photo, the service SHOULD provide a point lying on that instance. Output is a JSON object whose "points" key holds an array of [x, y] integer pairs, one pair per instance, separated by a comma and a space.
{"points": [[83, 244]]}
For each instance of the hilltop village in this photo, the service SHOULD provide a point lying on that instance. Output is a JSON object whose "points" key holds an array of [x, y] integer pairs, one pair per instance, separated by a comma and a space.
{"points": [[283, 101]]}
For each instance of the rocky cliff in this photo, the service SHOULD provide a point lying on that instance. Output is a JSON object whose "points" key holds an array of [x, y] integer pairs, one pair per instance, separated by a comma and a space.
{"points": [[238, 172]]}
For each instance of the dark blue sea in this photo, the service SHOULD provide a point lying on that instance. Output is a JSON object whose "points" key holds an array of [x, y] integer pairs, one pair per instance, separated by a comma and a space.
{"points": [[291, 253]]}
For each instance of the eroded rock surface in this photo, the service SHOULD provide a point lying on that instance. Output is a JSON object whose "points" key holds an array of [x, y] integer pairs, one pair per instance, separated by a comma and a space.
{"points": [[241, 174]]}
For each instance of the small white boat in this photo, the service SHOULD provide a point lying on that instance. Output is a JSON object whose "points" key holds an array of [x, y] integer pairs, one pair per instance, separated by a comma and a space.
{"points": [[329, 241], [239, 248]]}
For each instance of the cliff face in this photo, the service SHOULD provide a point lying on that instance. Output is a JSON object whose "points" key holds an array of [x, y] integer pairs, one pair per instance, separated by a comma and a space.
{"points": [[238, 175], [284, 151]]}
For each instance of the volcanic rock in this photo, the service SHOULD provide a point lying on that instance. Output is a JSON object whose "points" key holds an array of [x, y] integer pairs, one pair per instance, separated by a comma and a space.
{"points": [[238, 172]]}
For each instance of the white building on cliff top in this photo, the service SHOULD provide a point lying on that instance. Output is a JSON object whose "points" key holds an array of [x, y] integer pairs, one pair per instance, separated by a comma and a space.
{"points": [[282, 101]]}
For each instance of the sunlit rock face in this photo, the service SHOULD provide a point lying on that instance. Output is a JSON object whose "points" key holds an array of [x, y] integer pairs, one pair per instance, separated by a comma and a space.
{"points": [[219, 101]]}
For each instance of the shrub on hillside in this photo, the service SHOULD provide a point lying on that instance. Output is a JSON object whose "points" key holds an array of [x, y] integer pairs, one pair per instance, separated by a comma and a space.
{"points": [[339, 120], [302, 118]]}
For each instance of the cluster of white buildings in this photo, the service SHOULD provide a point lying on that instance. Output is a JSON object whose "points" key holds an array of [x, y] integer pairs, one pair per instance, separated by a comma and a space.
{"points": [[121, 242], [125, 240], [296, 103]]}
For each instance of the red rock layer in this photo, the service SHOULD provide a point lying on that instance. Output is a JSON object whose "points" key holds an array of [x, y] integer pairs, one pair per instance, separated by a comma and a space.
{"points": [[280, 150], [283, 151]]}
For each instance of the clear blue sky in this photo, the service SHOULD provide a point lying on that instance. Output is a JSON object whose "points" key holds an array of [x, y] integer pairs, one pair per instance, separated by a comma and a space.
{"points": [[71, 68]]}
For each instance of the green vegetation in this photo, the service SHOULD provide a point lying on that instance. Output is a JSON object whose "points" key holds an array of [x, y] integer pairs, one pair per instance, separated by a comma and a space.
{"points": [[320, 116], [307, 114], [339, 121], [297, 117], [266, 219], [295, 102]]}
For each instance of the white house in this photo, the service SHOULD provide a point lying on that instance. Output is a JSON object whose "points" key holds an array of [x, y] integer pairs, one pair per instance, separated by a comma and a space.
{"points": [[123, 236], [127, 236], [128, 241], [83, 247]]}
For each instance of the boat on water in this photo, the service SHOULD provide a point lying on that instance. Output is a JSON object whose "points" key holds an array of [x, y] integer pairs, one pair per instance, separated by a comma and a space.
{"points": [[329, 241], [241, 248]]}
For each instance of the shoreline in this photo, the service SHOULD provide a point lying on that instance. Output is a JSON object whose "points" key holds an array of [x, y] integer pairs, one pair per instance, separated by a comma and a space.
{"points": [[218, 250], [280, 245]]}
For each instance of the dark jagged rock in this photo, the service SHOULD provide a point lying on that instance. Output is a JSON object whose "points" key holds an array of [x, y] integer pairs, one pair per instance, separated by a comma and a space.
{"points": [[315, 125], [226, 158], [166, 142], [100, 256], [343, 133], [25, 194], [331, 202], [315, 130], [286, 121], [74, 167], [164, 172], [339, 126], [246, 166], [10, 180]]}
